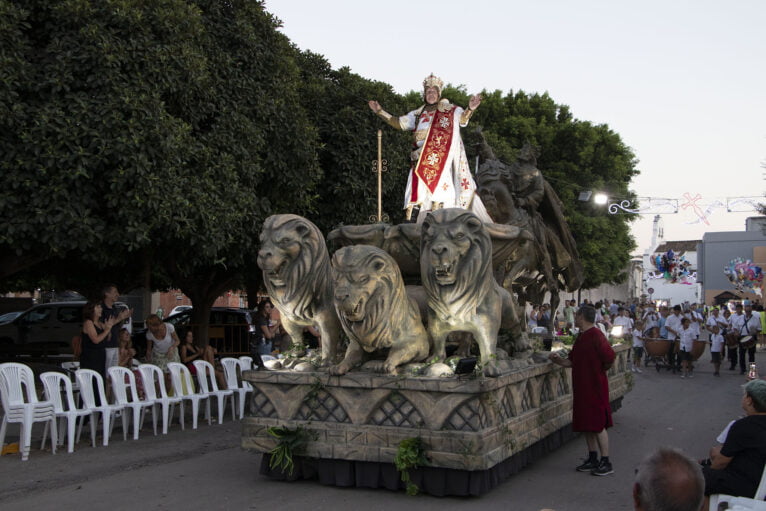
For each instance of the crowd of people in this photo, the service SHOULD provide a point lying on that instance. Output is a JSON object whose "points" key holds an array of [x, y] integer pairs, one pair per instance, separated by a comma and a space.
{"points": [[732, 331], [667, 479]]}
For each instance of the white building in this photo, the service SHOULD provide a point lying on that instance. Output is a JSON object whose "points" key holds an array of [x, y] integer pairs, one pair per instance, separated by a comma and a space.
{"points": [[670, 269]]}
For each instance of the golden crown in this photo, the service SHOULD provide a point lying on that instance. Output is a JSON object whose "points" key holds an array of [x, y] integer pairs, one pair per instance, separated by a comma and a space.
{"points": [[433, 81]]}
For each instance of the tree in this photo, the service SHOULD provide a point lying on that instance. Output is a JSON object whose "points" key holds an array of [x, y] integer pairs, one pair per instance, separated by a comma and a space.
{"points": [[155, 135], [574, 156], [336, 103]]}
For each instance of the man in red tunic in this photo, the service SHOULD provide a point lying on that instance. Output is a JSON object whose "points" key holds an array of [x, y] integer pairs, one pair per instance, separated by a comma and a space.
{"points": [[590, 358]]}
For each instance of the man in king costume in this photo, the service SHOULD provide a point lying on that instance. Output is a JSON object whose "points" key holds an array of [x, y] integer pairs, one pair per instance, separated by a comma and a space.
{"points": [[439, 176]]}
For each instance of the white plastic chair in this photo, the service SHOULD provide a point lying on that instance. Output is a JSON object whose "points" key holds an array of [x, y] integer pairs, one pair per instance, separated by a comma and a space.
{"points": [[154, 379], [757, 503], [58, 390], [20, 403], [91, 383], [230, 368], [208, 385], [126, 394], [183, 387], [246, 364]]}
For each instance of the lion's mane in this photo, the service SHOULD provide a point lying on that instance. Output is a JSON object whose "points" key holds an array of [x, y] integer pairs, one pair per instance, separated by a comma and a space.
{"points": [[308, 274], [474, 276], [375, 330]]}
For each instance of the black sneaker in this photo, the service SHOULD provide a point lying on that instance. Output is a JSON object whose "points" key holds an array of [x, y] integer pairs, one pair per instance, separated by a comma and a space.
{"points": [[604, 468], [588, 466]]}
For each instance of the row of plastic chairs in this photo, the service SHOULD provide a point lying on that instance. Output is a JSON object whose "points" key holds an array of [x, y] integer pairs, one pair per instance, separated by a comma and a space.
{"points": [[21, 405]]}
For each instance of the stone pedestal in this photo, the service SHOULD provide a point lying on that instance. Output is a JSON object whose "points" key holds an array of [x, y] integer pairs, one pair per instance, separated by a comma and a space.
{"points": [[466, 423]]}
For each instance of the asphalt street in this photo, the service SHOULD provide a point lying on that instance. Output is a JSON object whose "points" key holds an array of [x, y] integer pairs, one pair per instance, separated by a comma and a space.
{"points": [[206, 468]]}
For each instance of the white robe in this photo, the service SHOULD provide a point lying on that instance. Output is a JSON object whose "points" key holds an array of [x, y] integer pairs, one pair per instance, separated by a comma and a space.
{"points": [[456, 187]]}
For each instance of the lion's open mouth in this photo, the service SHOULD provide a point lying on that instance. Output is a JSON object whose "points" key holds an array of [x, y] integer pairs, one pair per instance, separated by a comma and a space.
{"points": [[444, 273], [356, 313], [275, 275]]}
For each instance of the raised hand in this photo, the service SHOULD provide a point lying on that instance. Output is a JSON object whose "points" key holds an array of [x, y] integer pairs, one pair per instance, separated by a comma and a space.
{"points": [[474, 102]]}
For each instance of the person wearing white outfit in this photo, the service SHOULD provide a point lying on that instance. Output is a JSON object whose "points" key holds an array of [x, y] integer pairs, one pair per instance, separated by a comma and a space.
{"points": [[439, 176]]}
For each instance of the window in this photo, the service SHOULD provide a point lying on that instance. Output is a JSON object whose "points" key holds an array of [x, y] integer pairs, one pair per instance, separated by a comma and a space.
{"points": [[70, 314], [37, 316]]}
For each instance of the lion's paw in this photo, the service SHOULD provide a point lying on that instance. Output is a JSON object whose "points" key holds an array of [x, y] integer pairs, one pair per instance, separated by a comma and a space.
{"points": [[338, 370], [389, 368], [491, 370]]}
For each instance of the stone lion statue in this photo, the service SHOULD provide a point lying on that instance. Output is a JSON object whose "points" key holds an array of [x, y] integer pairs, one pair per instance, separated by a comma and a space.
{"points": [[296, 273], [374, 310], [462, 294]]}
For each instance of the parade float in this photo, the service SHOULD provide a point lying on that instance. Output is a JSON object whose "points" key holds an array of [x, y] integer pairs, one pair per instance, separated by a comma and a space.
{"points": [[386, 403]]}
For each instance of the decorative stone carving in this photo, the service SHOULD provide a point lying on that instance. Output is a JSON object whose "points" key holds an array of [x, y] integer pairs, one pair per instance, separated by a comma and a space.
{"points": [[462, 294], [374, 310], [296, 273], [469, 424], [519, 195]]}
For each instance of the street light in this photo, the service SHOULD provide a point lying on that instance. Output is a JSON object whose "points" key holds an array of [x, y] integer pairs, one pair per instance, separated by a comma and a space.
{"points": [[601, 199]]}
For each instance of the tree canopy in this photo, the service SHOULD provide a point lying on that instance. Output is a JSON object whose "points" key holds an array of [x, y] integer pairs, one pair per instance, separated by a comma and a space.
{"points": [[145, 143], [147, 136]]}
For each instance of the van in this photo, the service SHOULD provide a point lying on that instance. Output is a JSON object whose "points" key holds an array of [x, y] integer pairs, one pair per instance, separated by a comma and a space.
{"points": [[44, 331]]}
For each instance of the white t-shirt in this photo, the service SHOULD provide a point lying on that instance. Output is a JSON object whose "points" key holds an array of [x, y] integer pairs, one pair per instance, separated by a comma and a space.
{"points": [[687, 339], [638, 342], [651, 319], [673, 322], [161, 346], [624, 321], [694, 325], [716, 343]]}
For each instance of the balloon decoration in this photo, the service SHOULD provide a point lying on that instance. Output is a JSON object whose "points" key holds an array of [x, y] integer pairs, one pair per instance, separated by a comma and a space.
{"points": [[744, 275], [674, 269]]}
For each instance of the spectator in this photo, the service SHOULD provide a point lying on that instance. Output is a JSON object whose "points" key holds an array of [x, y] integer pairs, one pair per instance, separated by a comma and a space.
{"points": [[267, 328], [532, 317], [623, 319], [126, 351], [109, 296], [735, 468], [161, 344], [189, 352], [668, 480], [569, 314], [590, 358], [544, 318], [94, 333]]}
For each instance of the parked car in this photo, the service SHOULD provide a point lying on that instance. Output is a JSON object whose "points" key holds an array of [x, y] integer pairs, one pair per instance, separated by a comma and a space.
{"points": [[44, 331], [9, 316], [230, 331], [180, 308]]}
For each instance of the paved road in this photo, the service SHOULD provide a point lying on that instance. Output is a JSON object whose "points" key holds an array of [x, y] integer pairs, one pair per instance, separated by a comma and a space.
{"points": [[206, 468]]}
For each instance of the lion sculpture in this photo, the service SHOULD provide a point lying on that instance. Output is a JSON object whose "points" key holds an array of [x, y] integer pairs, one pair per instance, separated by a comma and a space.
{"points": [[374, 310], [462, 294], [296, 273]]}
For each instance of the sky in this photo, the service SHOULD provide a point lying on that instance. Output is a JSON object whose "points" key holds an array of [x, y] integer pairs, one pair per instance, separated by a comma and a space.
{"points": [[682, 82]]}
